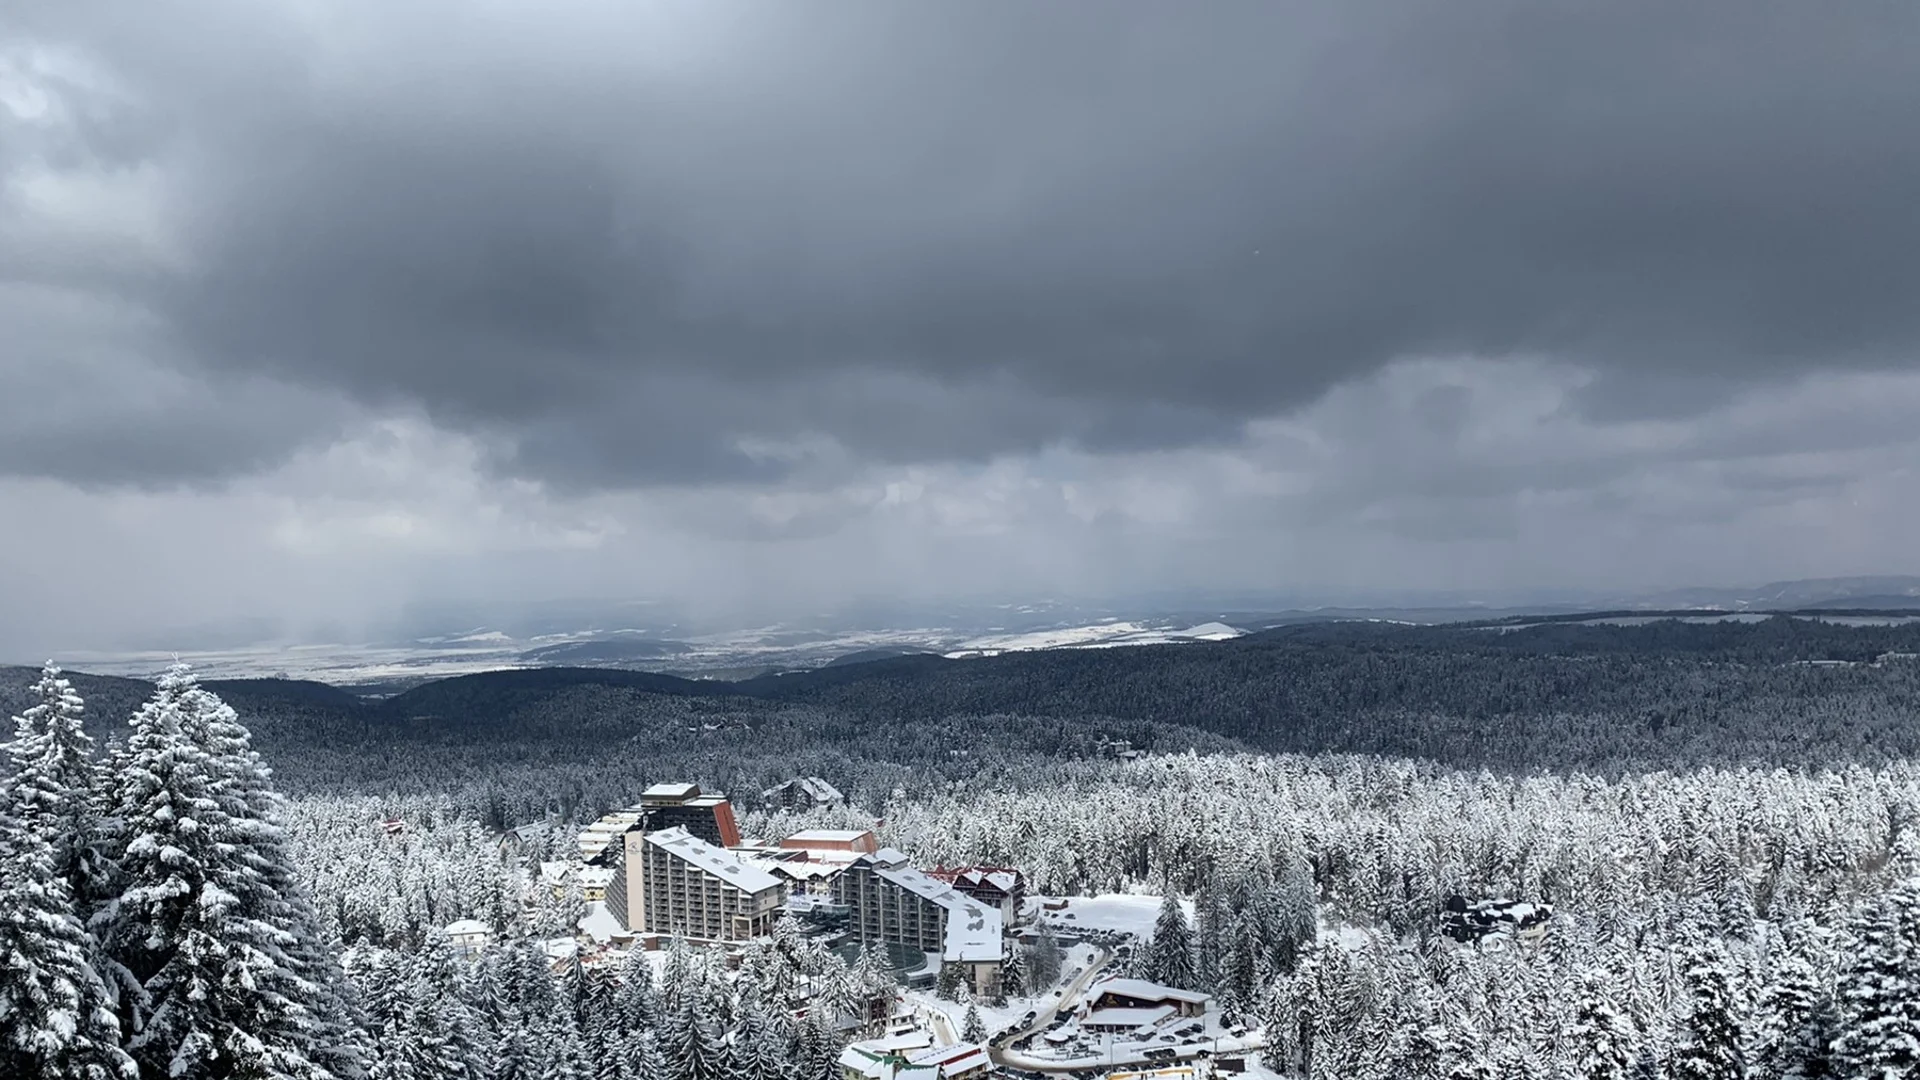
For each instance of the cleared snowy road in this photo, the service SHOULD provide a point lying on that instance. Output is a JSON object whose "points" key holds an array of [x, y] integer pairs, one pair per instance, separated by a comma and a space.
{"points": [[1069, 997]]}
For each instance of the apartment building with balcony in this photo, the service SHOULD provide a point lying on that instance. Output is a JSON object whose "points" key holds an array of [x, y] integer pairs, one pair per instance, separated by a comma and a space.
{"points": [[677, 883], [890, 901]]}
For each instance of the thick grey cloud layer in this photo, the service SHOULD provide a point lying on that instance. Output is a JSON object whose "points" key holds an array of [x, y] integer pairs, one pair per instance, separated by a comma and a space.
{"points": [[624, 244], [312, 310]]}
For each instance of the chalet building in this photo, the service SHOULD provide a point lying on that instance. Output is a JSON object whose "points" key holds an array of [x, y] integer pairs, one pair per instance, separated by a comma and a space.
{"points": [[1471, 923], [594, 881], [469, 937], [677, 883], [1115, 1004], [1002, 887], [802, 793], [523, 841], [889, 901]]}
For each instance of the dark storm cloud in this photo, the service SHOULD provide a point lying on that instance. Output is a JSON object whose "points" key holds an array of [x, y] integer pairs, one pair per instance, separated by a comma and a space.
{"points": [[617, 240]]}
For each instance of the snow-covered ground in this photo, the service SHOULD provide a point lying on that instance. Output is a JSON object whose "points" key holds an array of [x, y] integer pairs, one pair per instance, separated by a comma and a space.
{"points": [[755, 648], [1116, 912], [1097, 635]]}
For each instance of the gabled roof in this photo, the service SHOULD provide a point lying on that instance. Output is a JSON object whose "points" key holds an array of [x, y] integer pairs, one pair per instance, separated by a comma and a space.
{"points": [[817, 789], [1127, 1018], [1006, 879], [719, 862], [466, 928], [954, 1060], [1142, 990]]}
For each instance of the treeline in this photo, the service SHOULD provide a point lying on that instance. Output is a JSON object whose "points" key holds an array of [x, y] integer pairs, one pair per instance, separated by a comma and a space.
{"points": [[1558, 695]]}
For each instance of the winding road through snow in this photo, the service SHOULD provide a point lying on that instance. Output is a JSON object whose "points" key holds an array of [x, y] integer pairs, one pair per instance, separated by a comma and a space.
{"points": [[1069, 996]]}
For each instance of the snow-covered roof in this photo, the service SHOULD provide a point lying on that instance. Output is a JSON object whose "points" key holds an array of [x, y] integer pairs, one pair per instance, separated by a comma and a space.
{"points": [[467, 928], [670, 791], [719, 862], [600, 925], [554, 873], [893, 1044], [857, 1062], [596, 876], [954, 1060], [1142, 990], [1127, 1018], [827, 836], [1004, 878], [807, 871], [817, 789], [911, 1056]]}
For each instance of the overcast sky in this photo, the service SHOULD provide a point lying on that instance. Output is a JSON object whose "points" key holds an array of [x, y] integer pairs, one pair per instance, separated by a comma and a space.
{"points": [[310, 309]]}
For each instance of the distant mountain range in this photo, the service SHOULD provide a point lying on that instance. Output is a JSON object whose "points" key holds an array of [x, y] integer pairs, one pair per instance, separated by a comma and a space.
{"points": [[622, 636], [1883, 591]]}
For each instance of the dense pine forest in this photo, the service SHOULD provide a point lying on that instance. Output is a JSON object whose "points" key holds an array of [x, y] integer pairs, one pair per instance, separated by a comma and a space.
{"points": [[1722, 817]]}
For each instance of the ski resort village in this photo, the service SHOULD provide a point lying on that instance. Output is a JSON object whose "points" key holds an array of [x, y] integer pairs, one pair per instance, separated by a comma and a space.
{"points": [[946, 972]]}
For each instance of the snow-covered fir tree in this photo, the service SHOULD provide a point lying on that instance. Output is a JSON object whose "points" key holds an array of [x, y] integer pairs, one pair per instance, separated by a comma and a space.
{"points": [[1879, 994], [207, 946], [1714, 1044], [54, 783], [1601, 1041], [1170, 959], [56, 1018], [972, 1028]]}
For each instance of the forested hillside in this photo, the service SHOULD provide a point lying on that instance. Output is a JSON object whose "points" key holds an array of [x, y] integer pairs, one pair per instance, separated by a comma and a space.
{"points": [[1556, 695], [1712, 918]]}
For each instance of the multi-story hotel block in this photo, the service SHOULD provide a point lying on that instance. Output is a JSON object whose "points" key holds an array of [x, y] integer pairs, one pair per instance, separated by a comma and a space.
{"points": [[890, 901], [676, 883]]}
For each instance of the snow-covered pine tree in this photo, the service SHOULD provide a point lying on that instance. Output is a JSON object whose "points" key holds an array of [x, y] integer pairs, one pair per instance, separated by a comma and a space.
{"points": [[952, 982], [1043, 961], [212, 952], [763, 1052], [335, 1036], [1714, 1047], [634, 1001], [1601, 1041], [54, 784], [1794, 1029], [972, 1028], [56, 1019], [1467, 1057], [514, 1058], [689, 1048], [1880, 991], [1422, 1051], [1013, 974], [1170, 953]]}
